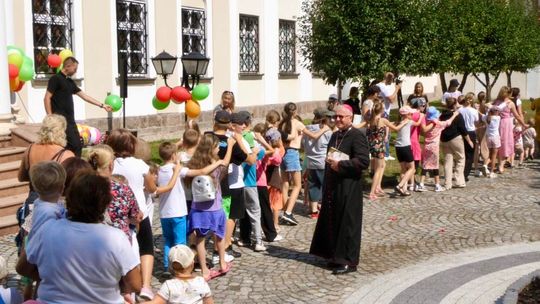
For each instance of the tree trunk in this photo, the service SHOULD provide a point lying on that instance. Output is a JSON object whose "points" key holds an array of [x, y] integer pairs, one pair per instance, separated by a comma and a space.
{"points": [[463, 81], [444, 88], [508, 78], [339, 88]]}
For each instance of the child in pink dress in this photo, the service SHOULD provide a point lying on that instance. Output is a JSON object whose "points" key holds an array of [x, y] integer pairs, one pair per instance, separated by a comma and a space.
{"points": [[418, 104], [432, 129]]}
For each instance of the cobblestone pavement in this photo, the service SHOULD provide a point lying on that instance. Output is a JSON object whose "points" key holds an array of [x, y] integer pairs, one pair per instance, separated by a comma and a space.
{"points": [[397, 233]]}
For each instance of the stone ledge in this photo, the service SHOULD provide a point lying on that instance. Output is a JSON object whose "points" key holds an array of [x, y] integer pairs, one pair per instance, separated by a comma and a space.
{"points": [[512, 293]]}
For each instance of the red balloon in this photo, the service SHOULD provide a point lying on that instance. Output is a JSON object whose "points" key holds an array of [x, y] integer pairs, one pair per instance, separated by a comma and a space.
{"points": [[180, 94], [54, 60], [21, 84], [163, 94], [13, 71]]}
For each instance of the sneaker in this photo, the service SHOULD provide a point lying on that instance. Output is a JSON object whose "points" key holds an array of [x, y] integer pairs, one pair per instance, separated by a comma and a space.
{"points": [[460, 186], [439, 188], [215, 258], [315, 215], [420, 188], [146, 294], [486, 170], [234, 253], [390, 157], [289, 218], [478, 173], [278, 238], [241, 243], [492, 175], [411, 188], [260, 247]]}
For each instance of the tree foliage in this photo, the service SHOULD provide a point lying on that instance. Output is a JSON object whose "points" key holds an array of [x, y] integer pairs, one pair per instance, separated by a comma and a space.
{"points": [[361, 39]]}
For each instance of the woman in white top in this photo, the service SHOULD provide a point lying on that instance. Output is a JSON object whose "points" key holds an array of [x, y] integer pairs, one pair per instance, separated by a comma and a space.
{"points": [[137, 172], [80, 260]]}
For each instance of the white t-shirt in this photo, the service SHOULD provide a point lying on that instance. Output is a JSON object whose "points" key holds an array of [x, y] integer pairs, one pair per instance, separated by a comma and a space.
{"points": [[386, 91], [177, 291], [10, 295], [236, 172], [470, 116], [172, 203], [80, 262], [492, 130], [446, 95], [134, 169]]}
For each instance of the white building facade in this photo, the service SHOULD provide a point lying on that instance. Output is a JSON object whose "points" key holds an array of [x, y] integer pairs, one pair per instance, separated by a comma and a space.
{"points": [[251, 44]]}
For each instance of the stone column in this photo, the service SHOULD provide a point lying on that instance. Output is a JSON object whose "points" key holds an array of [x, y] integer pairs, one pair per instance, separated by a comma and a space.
{"points": [[5, 98]]}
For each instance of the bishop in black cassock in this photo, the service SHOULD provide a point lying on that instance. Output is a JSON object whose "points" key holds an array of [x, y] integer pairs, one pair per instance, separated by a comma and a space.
{"points": [[339, 227]]}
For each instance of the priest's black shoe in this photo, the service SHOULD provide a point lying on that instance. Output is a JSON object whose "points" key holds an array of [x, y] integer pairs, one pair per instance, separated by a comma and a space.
{"points": [[343, 269]]}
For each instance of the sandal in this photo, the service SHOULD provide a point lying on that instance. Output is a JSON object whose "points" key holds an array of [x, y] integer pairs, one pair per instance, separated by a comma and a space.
{"points": [[212, 275], [399, 190], [227, 269], [373, 197]]}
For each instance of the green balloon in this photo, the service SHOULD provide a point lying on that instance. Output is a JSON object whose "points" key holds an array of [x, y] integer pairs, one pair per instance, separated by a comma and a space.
{"points": [[27, 70], [114, 101], [159, 105], [200, 92]]}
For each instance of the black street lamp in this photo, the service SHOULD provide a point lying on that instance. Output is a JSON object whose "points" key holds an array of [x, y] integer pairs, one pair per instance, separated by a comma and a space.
{"points": [[194, 65], [164, 64]]}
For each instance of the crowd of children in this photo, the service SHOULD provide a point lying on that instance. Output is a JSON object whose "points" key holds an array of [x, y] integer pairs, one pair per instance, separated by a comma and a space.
{"points": [[248, 178]]}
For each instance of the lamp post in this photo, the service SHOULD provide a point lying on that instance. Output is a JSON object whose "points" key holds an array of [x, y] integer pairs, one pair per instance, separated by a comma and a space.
{"points": [[164, 64], [194, 64]]}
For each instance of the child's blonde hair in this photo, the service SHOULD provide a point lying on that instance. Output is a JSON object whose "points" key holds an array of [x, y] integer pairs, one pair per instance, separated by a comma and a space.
{"points": [[203, 156], [119, 178], [100, 157], [142, 150], [48, 177], [3, 269], [531, 122]]}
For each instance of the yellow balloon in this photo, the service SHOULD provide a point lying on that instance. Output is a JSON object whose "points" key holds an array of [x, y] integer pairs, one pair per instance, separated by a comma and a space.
{"points": [[14, 84], [193, 109], [15, 59], [65, 53]]}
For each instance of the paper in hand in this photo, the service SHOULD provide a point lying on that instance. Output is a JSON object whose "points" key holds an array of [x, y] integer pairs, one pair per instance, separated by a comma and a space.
{"points": [[337, 155]]}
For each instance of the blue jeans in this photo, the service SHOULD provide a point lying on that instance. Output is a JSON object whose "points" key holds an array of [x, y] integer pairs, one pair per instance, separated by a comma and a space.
{"points": [[174, 233]]}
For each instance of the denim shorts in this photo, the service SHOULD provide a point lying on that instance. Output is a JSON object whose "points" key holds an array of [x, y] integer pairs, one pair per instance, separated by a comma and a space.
{"points": [[291, 161]]}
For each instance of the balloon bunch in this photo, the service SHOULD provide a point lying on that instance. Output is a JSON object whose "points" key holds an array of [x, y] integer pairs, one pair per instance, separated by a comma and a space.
{"points": [[20, 68], [89, 135], [164, 95], [57, 61]]}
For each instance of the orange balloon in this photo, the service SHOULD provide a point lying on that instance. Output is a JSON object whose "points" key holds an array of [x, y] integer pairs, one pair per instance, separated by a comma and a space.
{"points": [[21, 84], [193, 109], [14, 84]]}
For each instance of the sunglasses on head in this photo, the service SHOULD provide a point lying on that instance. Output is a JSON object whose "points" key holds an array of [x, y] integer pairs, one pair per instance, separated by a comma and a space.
{"points": [[228, 92]]}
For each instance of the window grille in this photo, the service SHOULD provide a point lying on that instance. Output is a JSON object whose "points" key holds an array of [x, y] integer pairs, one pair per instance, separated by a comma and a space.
{"points": [[249, 44], [132, 39], [193, 31], [52, 27], [287, 46]]}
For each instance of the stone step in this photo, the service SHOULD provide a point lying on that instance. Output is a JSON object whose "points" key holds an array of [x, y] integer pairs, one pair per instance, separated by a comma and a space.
{"points": [[8, 224], [10, 204], [5, 141], [9, 169], [12, 186], [9, 154]]}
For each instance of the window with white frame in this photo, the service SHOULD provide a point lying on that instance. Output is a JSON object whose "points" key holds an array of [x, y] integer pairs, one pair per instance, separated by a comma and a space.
{"points": [[287, 46], [132, 36], [249, 44], [52, 31], [193, 31]]}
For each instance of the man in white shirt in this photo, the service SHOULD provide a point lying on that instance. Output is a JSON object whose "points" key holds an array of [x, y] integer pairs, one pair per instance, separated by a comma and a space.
{"points": [[388, 93]]}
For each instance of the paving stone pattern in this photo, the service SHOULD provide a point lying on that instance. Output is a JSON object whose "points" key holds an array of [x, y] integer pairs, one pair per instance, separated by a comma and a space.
{"points": [[397, 232]]}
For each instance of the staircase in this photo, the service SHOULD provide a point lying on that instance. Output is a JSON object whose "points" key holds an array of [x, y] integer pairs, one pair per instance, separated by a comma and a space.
{"points": [[12, 192]]}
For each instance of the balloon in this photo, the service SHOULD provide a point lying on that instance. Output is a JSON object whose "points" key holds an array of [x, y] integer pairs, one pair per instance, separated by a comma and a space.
{"points": [[180, 94], [65, 53], [27, 70], [163, 94], [84, 133], [114, 101], [14, 84], [13, 71], [13, 49], [54, 60], [21, 84], [200, 92], [95, 136], [15, 59], [159, 105], [193, 109]]}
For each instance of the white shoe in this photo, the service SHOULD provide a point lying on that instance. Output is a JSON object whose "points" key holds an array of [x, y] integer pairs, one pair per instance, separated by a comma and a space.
{"points": [[486, 170], [477, 173], [228, 258], [439, 188], [278, 238], [411, 187], [260, 247], [492, 175], [390, 157], [420, 188]]}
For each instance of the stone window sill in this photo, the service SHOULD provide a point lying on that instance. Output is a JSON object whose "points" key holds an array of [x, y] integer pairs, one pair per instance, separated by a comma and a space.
{"points": [[250, 76], [287, 75]]}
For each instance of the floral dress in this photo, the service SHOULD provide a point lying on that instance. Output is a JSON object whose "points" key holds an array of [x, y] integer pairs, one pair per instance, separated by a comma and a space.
{"points": [[432, 139], [376, 136], [123, 207]]}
